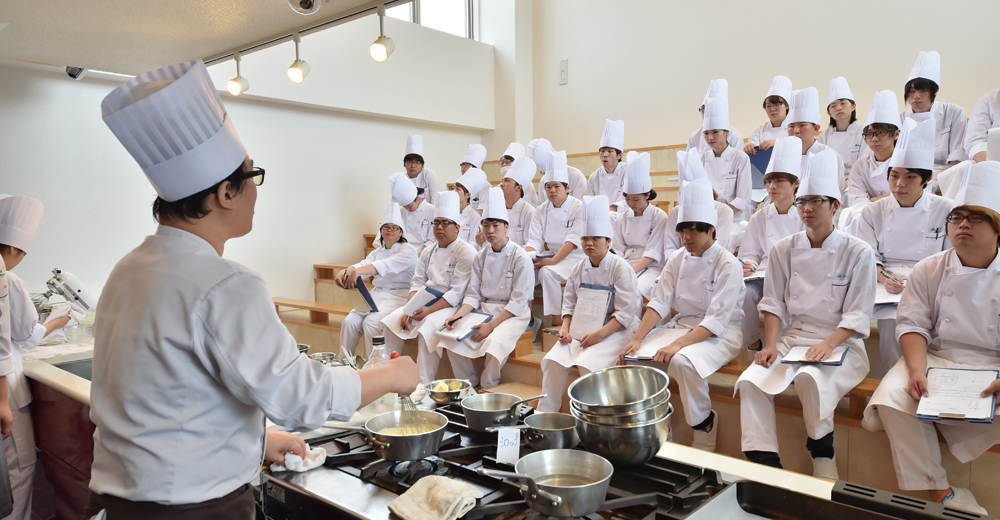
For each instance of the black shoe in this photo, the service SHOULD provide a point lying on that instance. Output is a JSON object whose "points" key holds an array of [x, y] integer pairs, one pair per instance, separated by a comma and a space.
{"points": [[756, 347]]}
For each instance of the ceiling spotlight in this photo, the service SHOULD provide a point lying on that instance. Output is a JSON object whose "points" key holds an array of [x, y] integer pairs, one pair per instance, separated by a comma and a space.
{"points": [[239, 84], [383, 46], [305, 7], [297, 72]]}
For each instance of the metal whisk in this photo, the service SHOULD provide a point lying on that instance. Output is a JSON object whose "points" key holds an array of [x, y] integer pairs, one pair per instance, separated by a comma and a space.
{"points": [[411, 420]]}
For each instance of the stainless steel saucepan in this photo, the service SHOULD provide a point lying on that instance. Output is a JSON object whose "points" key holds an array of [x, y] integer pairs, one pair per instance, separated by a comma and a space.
{"points": [[390, 446], [549, 431], [483, 411]]}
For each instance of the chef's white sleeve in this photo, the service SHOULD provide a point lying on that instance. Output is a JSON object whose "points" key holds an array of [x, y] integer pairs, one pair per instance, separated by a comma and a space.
{"points": [[461, 276], [523, 285], [776, 281], [473, 293], [727, 297], [658, 228], [956, 139], [663, 294], [982, 119], [627, 306], [860, 298], [25, 331], [752, 247], [916, 311], [404, 259]]}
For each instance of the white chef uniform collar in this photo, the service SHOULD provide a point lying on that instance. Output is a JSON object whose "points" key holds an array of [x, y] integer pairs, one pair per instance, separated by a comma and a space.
{"points": [[19, 218], [415, 145], [981, 186], [402, 189], [497, 207], [447, 206], [637, 178], [557, 171], [915, 147], [697, 203], [781, 87], [716, 88], [927, 66], [885, 109], [173, 123], [473, 180], [522, 170], [393, 215], [475, 155], [716, 114], [820, 176], [597, 217], [786, 157], [514, 151], [614, 135], [839, 90], [805, 106], [543, 155]]}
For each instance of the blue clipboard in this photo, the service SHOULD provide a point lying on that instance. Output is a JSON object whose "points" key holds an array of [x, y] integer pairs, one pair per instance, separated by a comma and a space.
{"points": [[359, 285], [993, 401], [437, 295], [471, 332], [758, 166], [829, 362]]}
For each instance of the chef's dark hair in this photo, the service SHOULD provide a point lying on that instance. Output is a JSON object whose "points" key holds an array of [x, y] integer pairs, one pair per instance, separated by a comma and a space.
{"points": [[774, 100], [701, 227], [920, 84], [650, 195], [619, 152], [884, 126], [854, 113], [783, 175], [195, 206], [496, 220], [381, 241], [925, 175], [413, 157]]}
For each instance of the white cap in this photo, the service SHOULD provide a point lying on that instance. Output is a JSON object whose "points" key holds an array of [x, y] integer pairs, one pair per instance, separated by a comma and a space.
{"points": [[981, 186], [542, 155], [690, 167], [716, 114], [402, 189], [716, 89], [172, 122], [19, 218], [805, 106], [522, 170], [614, 135], [885, 109], [781, 87], [838, 90], [820, 176], [696, 202], [393, 215], [915, 147], [529, 149], [514, 151], [447, 206], [631, 156], [557, 171], [637, 178], [473, 180], [597, 217], [414, 144], [497, 205], [927, 66], [475, 155], [786, 156]]}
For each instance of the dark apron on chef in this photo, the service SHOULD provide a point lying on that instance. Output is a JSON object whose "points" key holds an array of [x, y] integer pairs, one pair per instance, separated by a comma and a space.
{"points": [[238, 505]]}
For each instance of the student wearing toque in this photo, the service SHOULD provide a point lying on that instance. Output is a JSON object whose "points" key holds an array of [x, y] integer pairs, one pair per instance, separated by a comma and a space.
{"points": [[868, 180], [470, 183], [392, 265], [803, 122], [717, 88], [514, 152], [638, 233], [516, 185], [609, 178], [542, 153], [600, 348], [908, 226], [689, 169], [985, 116], [474, 158], [728, 167], [844, 132], [776, 104], [704, 283], [424, 179], [947, 318], [920, 92], [417, 213], [822, 282]]}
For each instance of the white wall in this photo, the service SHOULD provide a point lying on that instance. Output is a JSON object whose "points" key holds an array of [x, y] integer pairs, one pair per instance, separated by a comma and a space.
{"points": [[513, 71], [649, 62]]}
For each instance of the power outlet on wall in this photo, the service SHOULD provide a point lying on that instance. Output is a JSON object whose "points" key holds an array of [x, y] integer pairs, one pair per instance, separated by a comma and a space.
{"points": [[563, 72]]}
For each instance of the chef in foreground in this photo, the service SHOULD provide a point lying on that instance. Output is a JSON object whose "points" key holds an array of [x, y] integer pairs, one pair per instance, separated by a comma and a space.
{"points": [[189, 355]]}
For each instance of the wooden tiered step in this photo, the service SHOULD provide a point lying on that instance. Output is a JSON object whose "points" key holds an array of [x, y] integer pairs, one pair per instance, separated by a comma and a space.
{"points": [[325, 316]]}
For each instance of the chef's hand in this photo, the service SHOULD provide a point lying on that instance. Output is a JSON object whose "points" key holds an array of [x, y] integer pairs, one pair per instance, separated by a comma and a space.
{"points": [[979, 157], [276, 444], [766, 356], [564, 336], [750, 149], [632, 346], [350, 277], [892, 286], [420, 314], [764, 145], [664, 355], [591, 339], [994, 388], [483, 330], [542, 262], [6, 417], [405, 375], [405, 322], [919, 380], [450, 322], [56, 324], [820, 351], [747, 268]]}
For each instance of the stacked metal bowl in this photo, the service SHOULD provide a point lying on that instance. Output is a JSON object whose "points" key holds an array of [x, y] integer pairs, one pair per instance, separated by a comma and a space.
{"points": [[623, 412]]}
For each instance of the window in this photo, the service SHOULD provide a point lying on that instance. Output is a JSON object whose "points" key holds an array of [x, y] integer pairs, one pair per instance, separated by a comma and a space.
{"points": [[450, 16], [401, 12]]}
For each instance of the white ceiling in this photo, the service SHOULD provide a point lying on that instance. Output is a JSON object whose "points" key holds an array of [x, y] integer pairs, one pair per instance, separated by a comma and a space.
{"points": [[135, 36]]}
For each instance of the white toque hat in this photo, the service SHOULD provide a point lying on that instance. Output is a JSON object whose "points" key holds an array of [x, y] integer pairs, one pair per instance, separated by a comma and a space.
{"points": [[447, 206], [557, 171], [885, 109], [696, 203], [514, 151], [473, 180], [805, 106], [981, 186], [716, 114], [415, 144], [173, 123], [597, 217], [781, 87], [786, 157], [542, 154], [631, 156], [402, 189], [839, 90], [393, 215], [522, 170], [19, 218], [820, 176], [716, 88], [915, 147], [637, 178], [690, 167], [497, 206], [614, 135], [475, 155], [927, 66]]}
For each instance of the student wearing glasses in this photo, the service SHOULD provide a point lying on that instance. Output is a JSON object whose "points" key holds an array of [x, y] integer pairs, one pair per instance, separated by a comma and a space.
{"points": [[844, 132], [417, 213], [947, 318], [424, 179], [822, 282], [867, 181], [775, 104], [920, 92]]}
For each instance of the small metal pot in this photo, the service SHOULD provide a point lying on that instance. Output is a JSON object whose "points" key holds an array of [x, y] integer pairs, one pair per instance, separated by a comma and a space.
{"points": [[619, 389], [652, 414], [303, 348], [625, 445], [403, 447], [449, 396], [483, 411], [549, 431]]}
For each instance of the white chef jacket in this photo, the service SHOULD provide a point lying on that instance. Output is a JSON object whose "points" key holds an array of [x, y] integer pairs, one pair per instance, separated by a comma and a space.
{"points": [[577, 184], [900, 236], [849, 144], [470, 225], [611, 184], [506, 276], [636, 238], [950, 123], [189, 358], [395, 266], [767, 131], [612, 271], [25, 333], [428, 180], [554, 226], [446, 269], [697, 140], [985, 115], [731, 179], [723, 228], [418, 225], [868, 178], [766, 227], [519, 218], [6, 358], [818, 147]]}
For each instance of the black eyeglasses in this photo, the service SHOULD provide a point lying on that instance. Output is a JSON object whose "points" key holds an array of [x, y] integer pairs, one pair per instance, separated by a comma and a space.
{"points": [[875, 133], [256, 174], [957, 218], [801, 203]]}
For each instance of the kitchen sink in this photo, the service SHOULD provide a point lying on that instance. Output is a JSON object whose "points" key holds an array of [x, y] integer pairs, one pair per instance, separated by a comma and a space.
{"points": [[83, 368]]}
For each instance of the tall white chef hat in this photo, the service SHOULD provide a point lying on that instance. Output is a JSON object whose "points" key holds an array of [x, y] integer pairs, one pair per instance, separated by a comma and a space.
{"points": [[557, 171], [522, 170], [697, 203], [981, 186], [447, 206], [716, 114], [415, 145], [597, 217], [927, 66], [838, 90], [497, 207], [473, 180], [173, 123], [393, 215], [631, 156], [637, 178], [786, 157], [614, 135], [915, 147], [402, 188], [19, 218], [885, 109], [805, 106], [529, 149], [475, 155], [716, 88], [690, 167], [514, 151], [543, 155], [820, 176], [781, 87]]}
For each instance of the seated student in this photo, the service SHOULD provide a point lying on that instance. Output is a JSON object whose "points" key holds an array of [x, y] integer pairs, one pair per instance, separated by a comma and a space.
{"points": [[776, 106], [556, 228], [868, 179], [514, 152], [446, 267], [728, 167], [803, 122], [822, 281], [690, 168], [470, 183], [515, 185], [502, 284], [474, 158], [775, 221], [718, 88], [392, 264], [417, 213], [600, 348], [985, 115], [422, 178], [542, 155], [946, 319], [920, 92], [609, 178], [907, 227], [710, 309], [844, 132], [638, 234]]}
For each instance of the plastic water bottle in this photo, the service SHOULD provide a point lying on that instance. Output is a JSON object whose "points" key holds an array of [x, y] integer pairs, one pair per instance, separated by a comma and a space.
{"points": [[387, 402]]}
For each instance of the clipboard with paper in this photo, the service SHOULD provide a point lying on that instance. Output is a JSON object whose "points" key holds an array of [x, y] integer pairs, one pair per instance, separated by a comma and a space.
{"points": [[463, 326], [654, 341], [360, 298], [424, 298], [797, 356], [953, 394], [758, 166], [593, 305]]}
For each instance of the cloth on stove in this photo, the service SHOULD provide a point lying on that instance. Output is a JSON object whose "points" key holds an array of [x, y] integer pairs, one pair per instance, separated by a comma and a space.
{"points": [[436, 498]]}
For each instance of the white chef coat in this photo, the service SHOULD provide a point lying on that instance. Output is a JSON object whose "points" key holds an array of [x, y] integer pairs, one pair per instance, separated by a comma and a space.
{"points": [[723, 229], [611, 184], [900, 236], [849, 144], [767, 131], [636, 238], [730, 176], [950, 123], [25, 333], [20, 445], [394, 269], [519, 217], [6, 357], [766, 227], [428, 180], [395, 266], [418, 225], [470, 225], [577, 184], [818, 147], [697, 140], [869, 178], [189, 358], [985, 115], [553, 227]]}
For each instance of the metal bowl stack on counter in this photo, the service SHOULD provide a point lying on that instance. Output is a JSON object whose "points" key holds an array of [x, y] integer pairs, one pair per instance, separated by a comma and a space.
{"points": [[623, 412], [447, 391]]}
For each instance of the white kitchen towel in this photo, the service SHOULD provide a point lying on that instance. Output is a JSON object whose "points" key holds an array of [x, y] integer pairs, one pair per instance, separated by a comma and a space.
{"points": [[435, 498], [315, 457]]}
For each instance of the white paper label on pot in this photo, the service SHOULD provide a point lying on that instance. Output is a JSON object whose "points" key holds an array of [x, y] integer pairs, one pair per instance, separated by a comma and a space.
{"points": [[508, 445]]}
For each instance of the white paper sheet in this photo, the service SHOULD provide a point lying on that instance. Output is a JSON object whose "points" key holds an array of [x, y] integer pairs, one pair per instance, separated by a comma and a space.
{"points": [[463, 327], [883, 296], [798, 355], [954, 394], [590, 312], [421, 299], [756, 275], [655, 340]]}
